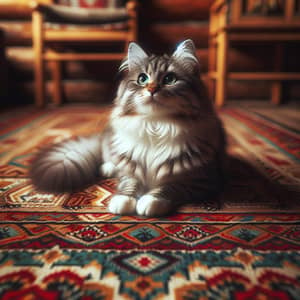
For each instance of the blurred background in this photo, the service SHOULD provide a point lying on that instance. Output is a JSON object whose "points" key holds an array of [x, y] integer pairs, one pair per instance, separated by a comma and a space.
{"points": [[161, 25]]}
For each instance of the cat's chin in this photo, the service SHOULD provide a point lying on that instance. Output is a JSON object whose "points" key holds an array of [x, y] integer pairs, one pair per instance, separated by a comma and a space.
{"points": [[153, 106], [152, 110], [145, 109]]}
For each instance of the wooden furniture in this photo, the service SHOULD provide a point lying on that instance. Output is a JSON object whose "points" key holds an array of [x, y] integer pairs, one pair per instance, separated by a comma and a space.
{"points": [[251, 21], [92, 25], [3, 71]]}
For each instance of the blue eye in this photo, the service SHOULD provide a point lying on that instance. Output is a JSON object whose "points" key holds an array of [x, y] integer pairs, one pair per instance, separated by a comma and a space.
{"points": [[143, 79], [169, 79]]}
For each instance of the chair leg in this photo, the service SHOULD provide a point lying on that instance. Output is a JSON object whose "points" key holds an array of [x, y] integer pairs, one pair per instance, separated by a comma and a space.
{"points": [[276, 92], [39, 66], [56, 72], [276, 87], [39, 83], [221, 76], [211, 67]]}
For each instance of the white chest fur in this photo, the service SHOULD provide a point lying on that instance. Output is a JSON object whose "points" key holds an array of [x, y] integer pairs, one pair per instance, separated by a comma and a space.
{"points": [[149, 142]]}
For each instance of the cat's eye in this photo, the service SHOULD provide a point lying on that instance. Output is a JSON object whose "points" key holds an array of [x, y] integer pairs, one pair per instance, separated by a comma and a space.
{"points": [[169, 79], [143, 79]]}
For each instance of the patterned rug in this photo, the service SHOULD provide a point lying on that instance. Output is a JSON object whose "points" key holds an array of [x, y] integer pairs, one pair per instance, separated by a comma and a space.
{"points": [[68, 246]]}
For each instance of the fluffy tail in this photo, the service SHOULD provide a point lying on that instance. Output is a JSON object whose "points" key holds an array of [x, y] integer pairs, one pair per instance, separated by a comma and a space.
{"points": [[67, 166]]}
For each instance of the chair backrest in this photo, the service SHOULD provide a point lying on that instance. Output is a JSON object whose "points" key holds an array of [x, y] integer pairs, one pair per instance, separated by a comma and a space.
{"points": [[92, 3]]}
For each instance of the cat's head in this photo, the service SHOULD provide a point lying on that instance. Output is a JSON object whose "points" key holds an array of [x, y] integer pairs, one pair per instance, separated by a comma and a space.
{"points": [[160, 85]]}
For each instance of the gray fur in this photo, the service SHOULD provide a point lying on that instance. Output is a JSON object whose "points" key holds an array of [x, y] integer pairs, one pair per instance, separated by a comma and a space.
{"points": [[163, 141]]}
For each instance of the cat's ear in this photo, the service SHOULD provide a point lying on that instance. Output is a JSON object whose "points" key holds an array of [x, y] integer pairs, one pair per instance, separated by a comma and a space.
{"points": [[136, 55], [185, 53]]}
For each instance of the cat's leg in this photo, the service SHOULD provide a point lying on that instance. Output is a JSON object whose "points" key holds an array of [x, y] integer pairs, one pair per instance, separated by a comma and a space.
{"points": [[108, 169], [124, 201], [154, 203], [166, 198]]}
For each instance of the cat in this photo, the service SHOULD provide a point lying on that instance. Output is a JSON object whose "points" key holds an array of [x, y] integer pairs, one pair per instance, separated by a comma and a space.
{"points": [[164, 141]]}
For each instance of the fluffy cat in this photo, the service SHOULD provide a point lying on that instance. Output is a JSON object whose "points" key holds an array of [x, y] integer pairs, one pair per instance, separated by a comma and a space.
{"points": [[164, 141]]}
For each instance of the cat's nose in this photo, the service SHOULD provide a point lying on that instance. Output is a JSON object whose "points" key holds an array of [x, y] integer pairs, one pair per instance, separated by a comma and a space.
{"points": [[152, 87]]}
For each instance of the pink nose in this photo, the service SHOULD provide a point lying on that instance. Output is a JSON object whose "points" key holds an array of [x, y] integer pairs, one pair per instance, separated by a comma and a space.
{"points": [[152, 87]]}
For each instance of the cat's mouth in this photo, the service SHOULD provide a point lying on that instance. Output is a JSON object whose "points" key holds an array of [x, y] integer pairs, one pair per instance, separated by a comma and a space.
{"points": [[158, 106], [155, 100], [151, 105]]}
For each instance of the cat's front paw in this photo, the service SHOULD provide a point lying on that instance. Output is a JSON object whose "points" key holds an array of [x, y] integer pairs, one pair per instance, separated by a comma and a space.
{"points": [[107, 169], [122, 205], [150, 206]]}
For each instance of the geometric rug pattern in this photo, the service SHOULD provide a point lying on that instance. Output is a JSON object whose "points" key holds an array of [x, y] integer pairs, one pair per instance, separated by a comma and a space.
{"points": [[210, 274], [67, 246]]}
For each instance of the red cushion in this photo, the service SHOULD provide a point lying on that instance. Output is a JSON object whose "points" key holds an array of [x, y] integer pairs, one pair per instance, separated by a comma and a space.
{"points": [[92, 3], [85, 3]]}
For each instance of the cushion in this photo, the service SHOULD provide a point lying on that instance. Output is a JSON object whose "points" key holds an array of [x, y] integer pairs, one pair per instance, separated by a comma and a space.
{"points": [[75, 15], [92, 3]]}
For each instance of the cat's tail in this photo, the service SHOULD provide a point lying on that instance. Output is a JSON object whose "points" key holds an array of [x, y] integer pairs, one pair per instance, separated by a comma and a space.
{"points": [[67, 166]]}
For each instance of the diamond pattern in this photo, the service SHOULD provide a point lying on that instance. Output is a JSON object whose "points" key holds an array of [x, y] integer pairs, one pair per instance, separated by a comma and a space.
{"points": [[245, 234], [144, 234], [145, 263], [191, 233], [89, 234]]}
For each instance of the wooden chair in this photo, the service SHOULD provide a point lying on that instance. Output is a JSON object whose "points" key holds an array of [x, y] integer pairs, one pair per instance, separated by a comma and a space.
{"points": [[109, 24], [250, 22]]}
